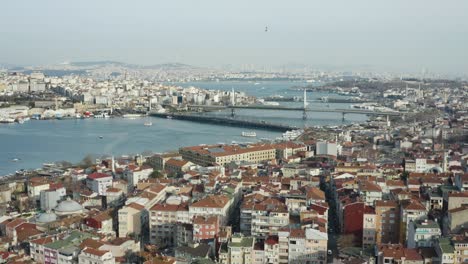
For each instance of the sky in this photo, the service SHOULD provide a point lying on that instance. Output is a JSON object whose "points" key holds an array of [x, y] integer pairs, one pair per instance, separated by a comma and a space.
{"points": [[398, 35]]}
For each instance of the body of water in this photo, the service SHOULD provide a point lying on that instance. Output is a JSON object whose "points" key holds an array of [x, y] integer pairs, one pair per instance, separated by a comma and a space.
{"points": [[36, 142]]}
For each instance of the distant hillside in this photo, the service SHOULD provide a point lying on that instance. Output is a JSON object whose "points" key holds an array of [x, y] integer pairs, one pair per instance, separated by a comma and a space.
{"points": [[164, 66], [96, 63]]}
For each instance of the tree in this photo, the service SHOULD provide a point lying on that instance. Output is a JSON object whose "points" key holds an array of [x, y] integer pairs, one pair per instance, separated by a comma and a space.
{"points": [[64, 164], [156, 174], [86, 162], [404, 176]]}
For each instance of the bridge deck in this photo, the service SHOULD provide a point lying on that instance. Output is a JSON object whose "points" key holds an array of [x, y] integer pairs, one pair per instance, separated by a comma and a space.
{"points": [[284, 108]]}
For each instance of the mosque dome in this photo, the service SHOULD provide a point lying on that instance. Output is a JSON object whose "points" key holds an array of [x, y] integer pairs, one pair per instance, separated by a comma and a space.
{"points": [[68, 207], [174, 200], [47, 217]]}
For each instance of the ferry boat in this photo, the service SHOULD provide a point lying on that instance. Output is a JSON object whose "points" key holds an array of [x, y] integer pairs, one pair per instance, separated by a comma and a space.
{"points": [[102, 115], [132, 116], [7, 120], [292, 134], [249, 134]]}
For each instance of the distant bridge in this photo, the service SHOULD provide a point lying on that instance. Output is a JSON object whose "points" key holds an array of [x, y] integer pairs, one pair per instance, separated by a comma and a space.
{"points": [[285, 108]]}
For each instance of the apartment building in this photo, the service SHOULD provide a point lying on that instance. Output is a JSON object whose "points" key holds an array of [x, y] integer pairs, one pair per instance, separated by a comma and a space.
{"points": [[268, 217], [163, 222], [387, 222], [95, 256], [423, 233], [205, 227], [370, 192], [369, 228], [130, 219], [158, 161], [99, 182], [213, 205], [299, 246], [240, 249], [411, 210]]}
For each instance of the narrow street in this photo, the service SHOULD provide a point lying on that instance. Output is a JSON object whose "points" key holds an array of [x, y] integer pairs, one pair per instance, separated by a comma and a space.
{"points": [[333, 225]]}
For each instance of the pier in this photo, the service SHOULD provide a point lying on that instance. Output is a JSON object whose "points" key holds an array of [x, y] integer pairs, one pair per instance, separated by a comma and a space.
{"points": [[225, 121]]}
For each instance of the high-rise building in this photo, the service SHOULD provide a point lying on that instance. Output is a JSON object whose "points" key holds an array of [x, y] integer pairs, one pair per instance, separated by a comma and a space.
{"points": [[387, 222]]}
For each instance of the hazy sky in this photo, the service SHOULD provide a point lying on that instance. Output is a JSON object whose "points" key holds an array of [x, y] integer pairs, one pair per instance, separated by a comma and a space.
{"points": [[393, 34]]}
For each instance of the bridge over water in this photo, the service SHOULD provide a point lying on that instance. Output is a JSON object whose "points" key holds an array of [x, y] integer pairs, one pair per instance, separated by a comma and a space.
{"points": [[285, 108]]}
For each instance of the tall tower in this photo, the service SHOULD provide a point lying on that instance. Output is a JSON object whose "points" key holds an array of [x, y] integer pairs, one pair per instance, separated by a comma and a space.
{"points": [[304, 113], [233, 102], [233, 97], [113, 164]]}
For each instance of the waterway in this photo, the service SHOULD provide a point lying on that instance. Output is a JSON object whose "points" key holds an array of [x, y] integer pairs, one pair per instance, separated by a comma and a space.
{"points": [[36, 142]]}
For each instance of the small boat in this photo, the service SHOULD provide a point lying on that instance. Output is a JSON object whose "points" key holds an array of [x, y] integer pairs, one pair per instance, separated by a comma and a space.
{"points": [[20, 121], [249, 134], [148, 123], [169, 117], [101, 137], [15, 159]]}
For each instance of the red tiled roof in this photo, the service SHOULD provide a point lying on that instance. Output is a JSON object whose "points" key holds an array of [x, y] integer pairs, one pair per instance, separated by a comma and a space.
{"points": [[91, 243], [95, 252], [215, 201], [98, 175], [136, 206]]}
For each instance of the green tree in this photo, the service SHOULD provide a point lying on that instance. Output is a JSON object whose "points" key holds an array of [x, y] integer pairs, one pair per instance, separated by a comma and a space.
{"points": [[86, 162], [404, 176], [156, 174]]}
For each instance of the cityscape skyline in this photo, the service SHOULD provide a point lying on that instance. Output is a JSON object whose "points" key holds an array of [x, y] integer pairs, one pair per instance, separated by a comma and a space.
{"points": [[397, 36]]}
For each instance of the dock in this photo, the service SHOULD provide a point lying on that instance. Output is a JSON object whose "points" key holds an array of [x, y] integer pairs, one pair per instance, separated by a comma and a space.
{"points": [[225, 121]]}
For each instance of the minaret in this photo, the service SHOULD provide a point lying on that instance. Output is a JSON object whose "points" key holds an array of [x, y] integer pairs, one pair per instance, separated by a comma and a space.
{"points": [[304, 113], [305, 98], [113, 164], [233, 98], [445, 162]]}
